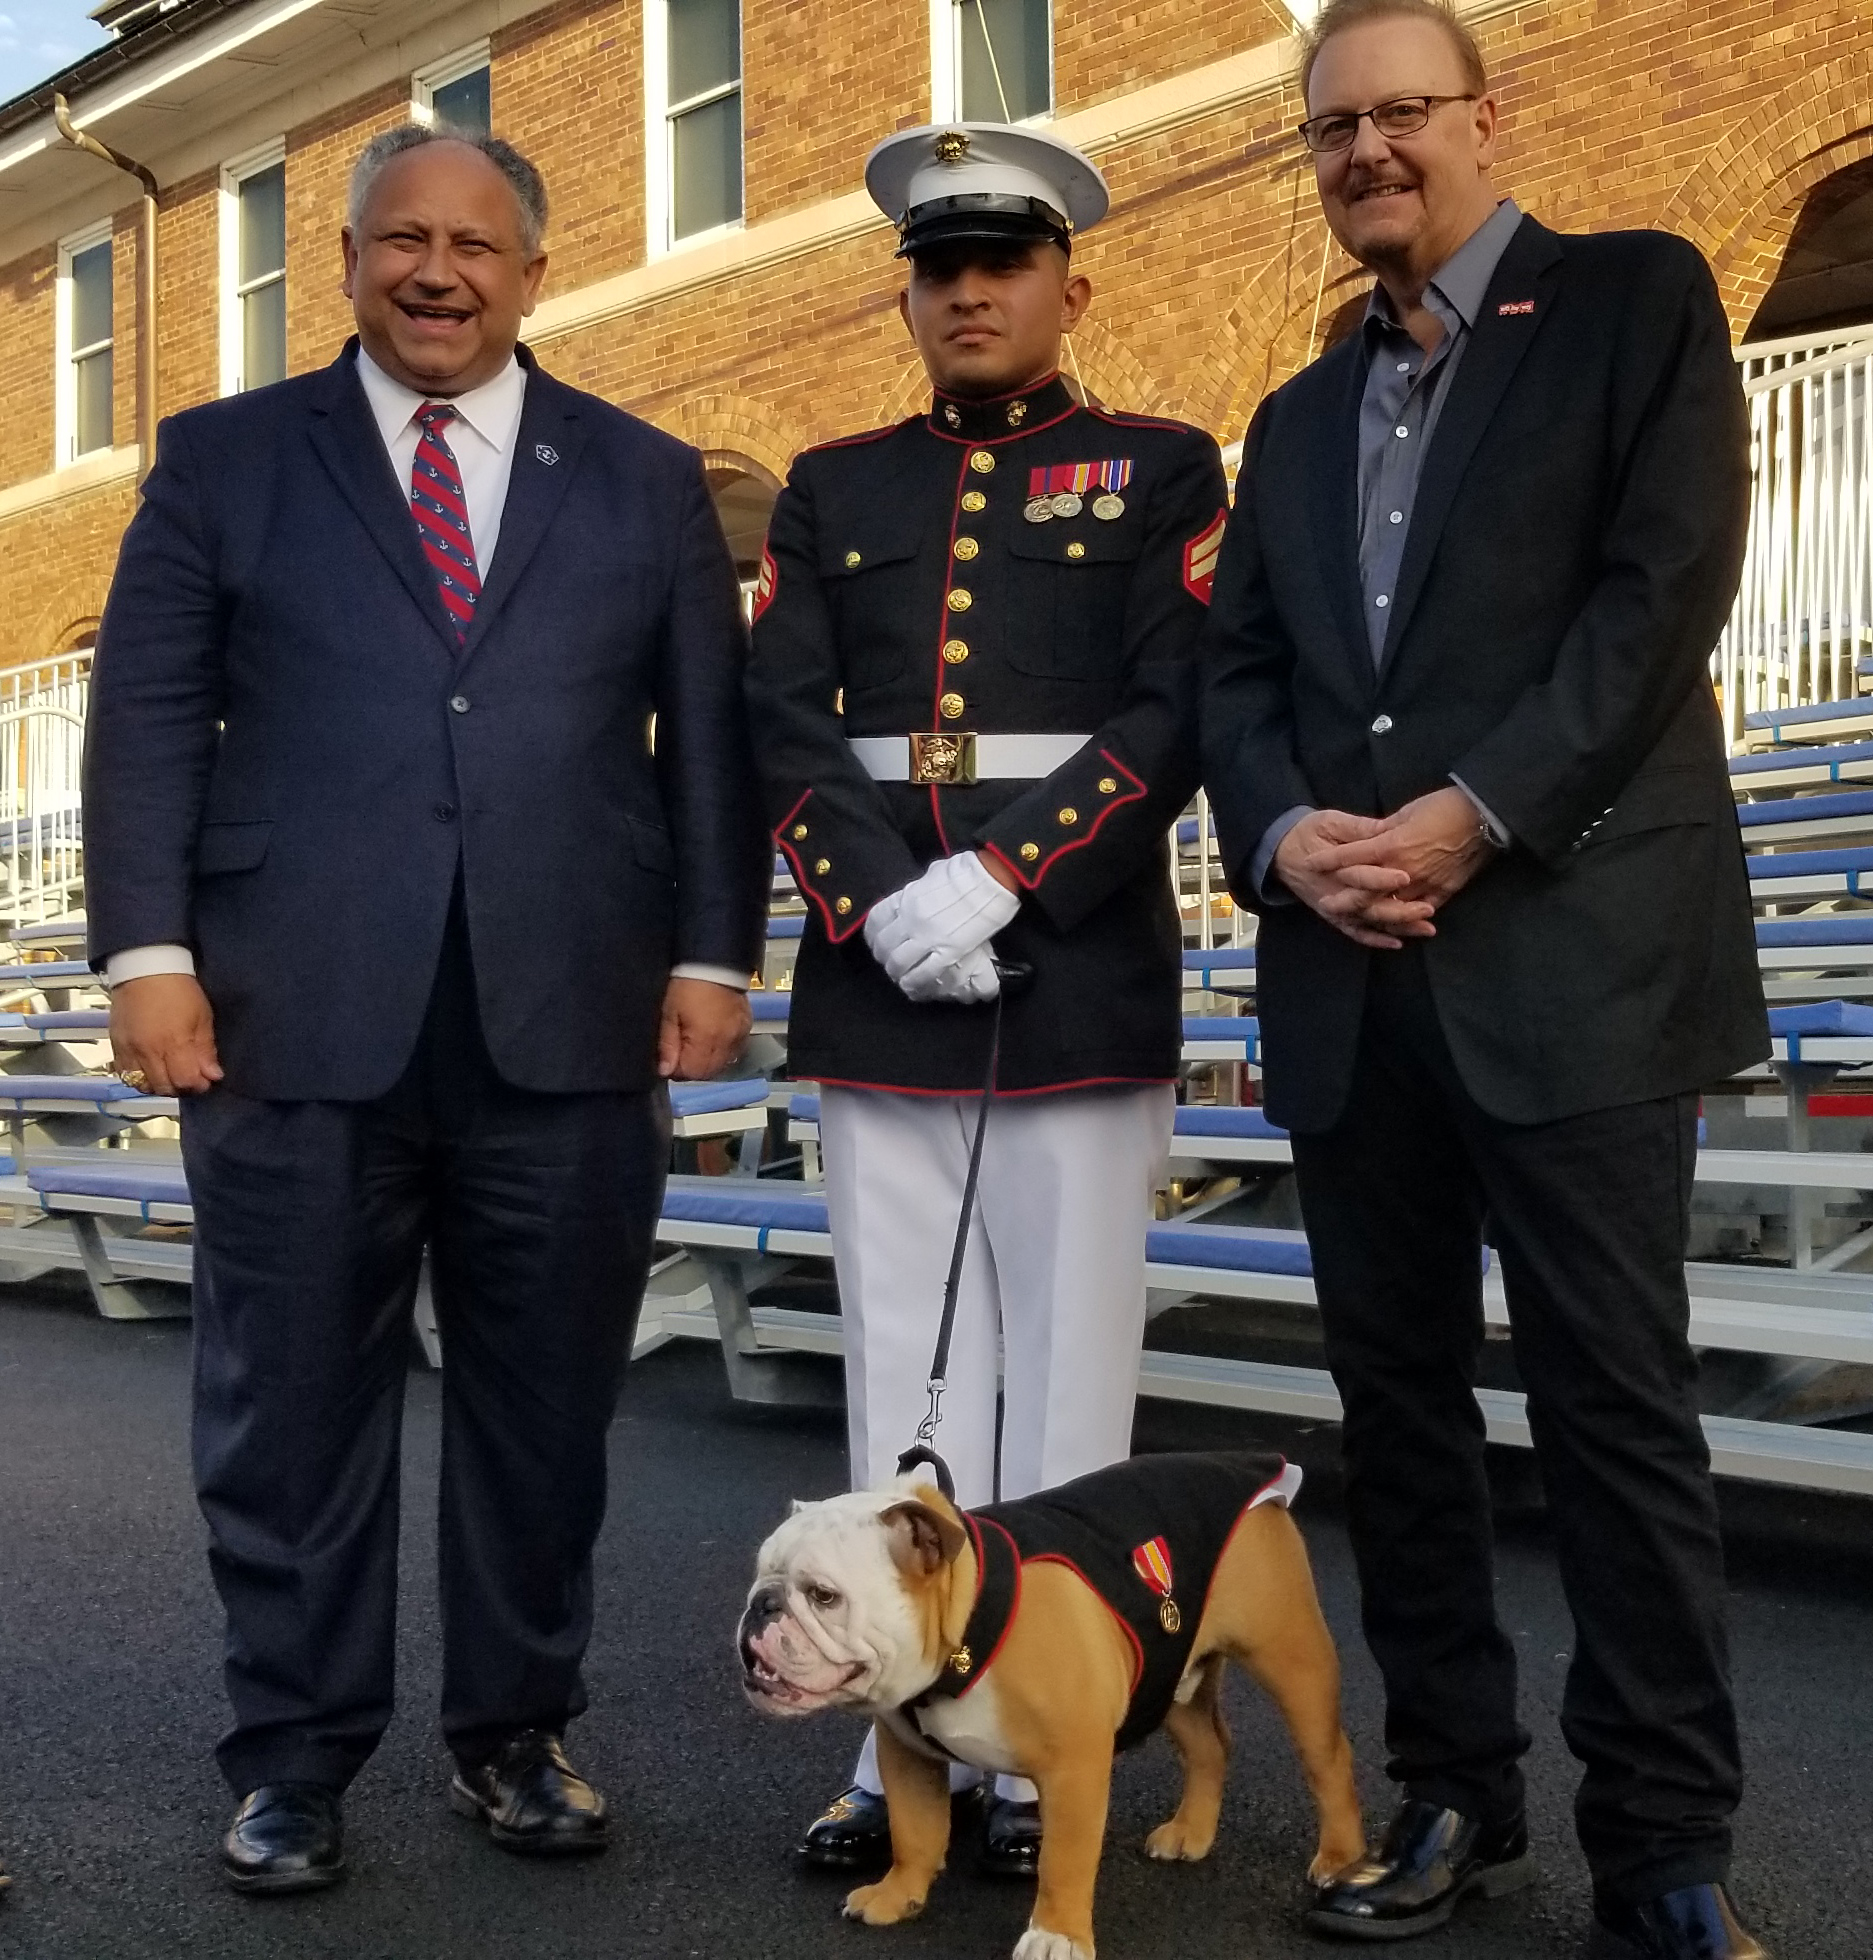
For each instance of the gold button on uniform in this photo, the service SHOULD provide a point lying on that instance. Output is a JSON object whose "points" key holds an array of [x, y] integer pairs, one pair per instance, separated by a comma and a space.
{"points": [[799, 831], [1076, 549], [1108, 785], [822, 867], [961, 601], [955, 651], [974, 500], [965, 547], [1029, 852], [982, 462], [1069, 815], [952, 706], [842, 906]]}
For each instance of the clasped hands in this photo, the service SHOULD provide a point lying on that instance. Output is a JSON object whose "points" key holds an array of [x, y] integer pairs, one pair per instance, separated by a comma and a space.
{"points": [[932, 936], [1380, 880]]}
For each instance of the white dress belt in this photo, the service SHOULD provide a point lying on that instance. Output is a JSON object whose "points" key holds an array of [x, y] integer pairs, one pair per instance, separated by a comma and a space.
{"points": [[887, 758]]}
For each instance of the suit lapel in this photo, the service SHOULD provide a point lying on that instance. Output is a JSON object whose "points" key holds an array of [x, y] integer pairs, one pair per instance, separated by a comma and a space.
{"points": [[345, 436], [546, 453], [1498, 341], [1336, 504]]}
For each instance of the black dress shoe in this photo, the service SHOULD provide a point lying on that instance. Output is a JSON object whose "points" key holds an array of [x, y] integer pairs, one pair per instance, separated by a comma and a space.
{"points": [[1430, 1860], [286, 1837], [1697, 1922], [852, 1834], [532, 1800], [1011, 1839]]}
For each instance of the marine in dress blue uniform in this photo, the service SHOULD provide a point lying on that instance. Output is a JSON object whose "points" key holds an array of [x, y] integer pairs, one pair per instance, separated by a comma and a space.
{"points": [[974, 637]]}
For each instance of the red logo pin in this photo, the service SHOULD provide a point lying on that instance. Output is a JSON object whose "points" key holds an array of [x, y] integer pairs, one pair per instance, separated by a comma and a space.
{"points": [[1509, 306]]}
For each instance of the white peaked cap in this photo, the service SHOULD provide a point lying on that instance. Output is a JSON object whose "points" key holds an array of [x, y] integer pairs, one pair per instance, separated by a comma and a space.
{"points": [[968, 179]]}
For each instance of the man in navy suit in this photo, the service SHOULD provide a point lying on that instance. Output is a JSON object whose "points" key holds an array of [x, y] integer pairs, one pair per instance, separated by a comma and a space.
{"points": [[421, 848]]}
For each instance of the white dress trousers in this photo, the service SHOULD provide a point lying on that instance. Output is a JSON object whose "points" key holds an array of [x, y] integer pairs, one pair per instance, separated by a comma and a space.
{"points": [[1052, 1300]]}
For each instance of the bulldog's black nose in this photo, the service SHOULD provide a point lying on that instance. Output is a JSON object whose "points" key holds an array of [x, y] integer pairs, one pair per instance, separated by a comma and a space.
{"points": [[760, 1613]]}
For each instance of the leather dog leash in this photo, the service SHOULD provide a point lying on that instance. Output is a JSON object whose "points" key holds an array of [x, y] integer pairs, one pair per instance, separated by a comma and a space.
{"points": [[1013, 976]]}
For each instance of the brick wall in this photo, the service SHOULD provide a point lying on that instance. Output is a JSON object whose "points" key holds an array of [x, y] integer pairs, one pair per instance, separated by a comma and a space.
{"points": [[1213, 278]]}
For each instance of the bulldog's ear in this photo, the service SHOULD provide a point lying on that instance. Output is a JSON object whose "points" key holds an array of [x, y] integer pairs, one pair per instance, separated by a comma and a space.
{"points": [[922, 1537]]}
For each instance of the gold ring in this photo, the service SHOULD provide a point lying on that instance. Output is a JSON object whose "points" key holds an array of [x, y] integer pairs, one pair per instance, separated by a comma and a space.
{"points": [[133, 1078]]}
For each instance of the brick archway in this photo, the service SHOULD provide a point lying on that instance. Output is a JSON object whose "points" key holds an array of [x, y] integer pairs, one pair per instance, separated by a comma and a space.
{"points": [[728, 428], [1740, 204]]}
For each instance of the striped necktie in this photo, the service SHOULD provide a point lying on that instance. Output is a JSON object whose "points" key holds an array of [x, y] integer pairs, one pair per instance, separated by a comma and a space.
{"points": [[440, 506]]}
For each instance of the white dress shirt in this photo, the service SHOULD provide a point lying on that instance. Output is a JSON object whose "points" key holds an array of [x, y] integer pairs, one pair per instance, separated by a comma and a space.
{"points": [[482, 437]]}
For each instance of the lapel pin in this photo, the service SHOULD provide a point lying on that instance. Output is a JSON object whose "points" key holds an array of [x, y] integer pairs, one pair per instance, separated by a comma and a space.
{"points": [[1509, 306], [549, 455]]}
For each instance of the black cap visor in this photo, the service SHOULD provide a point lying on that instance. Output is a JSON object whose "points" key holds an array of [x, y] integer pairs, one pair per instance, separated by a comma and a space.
{"points": [[981, 217]]}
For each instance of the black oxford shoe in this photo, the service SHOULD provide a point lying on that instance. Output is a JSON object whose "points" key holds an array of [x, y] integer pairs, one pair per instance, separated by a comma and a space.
{"points": [[532, 1800], [1697, 1922], [286, 1837], [1430, 1860], [852, 1834], [1011, 1839]]}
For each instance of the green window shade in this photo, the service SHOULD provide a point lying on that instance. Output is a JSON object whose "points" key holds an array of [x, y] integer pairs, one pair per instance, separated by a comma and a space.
{"points": [[91, 296], [261, 291], [1007, 59], [706, 161], [263, 335], [263, 223], [705, 47], [464, 104]]}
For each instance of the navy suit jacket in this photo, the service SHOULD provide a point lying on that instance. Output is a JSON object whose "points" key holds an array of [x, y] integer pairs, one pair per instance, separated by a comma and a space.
{"points": [[290, 760]]}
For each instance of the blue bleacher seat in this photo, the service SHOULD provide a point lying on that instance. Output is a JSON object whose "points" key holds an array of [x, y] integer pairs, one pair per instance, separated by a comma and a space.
{"points": [[1833, 758], [1230, 1249], [769, 1005], [1822, 1017], [689, 1098], [1852, 865], [1774, 718], [1832, 929], [742, 1201], [1208, 1120], [72, 1020], [790, 927], [1811, 809], [1220, 959], [165, 1186], [17, 1089], [36, 973]]}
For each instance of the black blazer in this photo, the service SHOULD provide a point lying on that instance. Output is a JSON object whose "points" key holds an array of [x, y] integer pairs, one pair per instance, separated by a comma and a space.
{"points": [[290, 761], [1573, 553]]}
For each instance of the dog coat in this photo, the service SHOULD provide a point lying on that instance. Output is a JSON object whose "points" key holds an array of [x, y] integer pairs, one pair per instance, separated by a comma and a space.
{"points": [[1145, 1535]]}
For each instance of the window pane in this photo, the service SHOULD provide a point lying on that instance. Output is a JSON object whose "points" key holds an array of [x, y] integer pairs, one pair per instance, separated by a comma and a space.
{"points": [[1005, 60], [705, 46], [92, 389], [263, 223], [707, 161], [463, 104], [91, 295], [263, 335]]}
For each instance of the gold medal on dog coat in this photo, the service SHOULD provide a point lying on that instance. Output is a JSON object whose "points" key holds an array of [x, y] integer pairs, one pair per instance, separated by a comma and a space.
{"points": [[1152, 1562]]}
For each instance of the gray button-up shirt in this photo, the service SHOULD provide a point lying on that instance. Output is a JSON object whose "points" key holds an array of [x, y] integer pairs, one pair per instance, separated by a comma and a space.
{"points": [[1398, 412]]}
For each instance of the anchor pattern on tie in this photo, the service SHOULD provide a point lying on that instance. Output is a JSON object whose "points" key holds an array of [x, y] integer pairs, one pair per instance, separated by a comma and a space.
{"points": [[440, 506]]}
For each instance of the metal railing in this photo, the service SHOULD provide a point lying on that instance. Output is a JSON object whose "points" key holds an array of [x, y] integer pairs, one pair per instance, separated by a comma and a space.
{"points": [[1804, 613], [42, 732]]}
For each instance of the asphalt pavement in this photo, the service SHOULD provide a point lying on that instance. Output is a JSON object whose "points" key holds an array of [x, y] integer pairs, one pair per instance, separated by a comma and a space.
{"points": [[110, 1702]]}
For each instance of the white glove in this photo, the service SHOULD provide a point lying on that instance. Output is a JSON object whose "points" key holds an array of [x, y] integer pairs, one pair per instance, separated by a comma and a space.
{"points": [[932, 936]]}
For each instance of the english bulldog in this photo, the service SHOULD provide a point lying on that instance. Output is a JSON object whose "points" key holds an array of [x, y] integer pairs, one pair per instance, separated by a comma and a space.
{"points": [[1037, 1637]]}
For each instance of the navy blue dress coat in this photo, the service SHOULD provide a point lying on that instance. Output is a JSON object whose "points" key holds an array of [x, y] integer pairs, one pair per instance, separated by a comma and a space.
{"points": [[291, 760]]}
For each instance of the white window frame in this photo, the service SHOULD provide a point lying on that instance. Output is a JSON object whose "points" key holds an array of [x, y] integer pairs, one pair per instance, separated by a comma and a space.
{"points": [[65, 390], [439, 74], [234, 173], [946, 63], [660, 137]]}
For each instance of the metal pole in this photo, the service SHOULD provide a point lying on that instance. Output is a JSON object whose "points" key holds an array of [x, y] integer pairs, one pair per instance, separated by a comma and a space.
{"points": [[146, 275]]}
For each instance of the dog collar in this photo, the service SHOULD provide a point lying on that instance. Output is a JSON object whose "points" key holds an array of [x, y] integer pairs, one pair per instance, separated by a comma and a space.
{"points": [[998, 1596]]}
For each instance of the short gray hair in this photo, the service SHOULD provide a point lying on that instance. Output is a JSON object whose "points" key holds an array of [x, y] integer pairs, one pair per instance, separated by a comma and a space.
{"points": [[523, 178]]}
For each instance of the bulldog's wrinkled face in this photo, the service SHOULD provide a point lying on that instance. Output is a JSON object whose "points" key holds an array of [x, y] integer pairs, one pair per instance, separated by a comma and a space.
{"points": [[846, 1606]]}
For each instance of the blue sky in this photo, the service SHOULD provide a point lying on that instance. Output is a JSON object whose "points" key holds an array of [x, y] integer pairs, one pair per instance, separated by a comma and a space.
{"points": [[39, 37]]}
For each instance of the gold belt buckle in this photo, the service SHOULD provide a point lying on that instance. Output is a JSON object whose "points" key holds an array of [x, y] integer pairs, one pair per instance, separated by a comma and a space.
{"points": [[942, 758]]}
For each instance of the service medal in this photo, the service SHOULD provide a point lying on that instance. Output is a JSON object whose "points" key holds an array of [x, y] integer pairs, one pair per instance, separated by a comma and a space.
{"points": [[1067, 503], [1108, 507], [1168, 1616], [1038, 510]]}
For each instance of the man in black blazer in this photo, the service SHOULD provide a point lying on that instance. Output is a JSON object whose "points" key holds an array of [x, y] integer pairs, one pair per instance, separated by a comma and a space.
{"points": [[416, 860], [1468, 768]]}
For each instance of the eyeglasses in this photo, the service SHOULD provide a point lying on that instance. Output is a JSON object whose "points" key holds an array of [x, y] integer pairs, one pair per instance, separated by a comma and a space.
{"points": [[1405, 115]]}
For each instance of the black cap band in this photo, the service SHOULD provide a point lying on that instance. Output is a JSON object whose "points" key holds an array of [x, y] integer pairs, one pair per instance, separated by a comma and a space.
{"points": [[985, 215]]}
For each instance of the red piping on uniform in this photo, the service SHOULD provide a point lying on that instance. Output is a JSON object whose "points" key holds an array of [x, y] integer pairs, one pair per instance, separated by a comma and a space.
{"points": [[1001, 1095], [936, 811], [949, 585], [870, 435], [1033, 883], [1125, 1625], [1120, 420]]}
